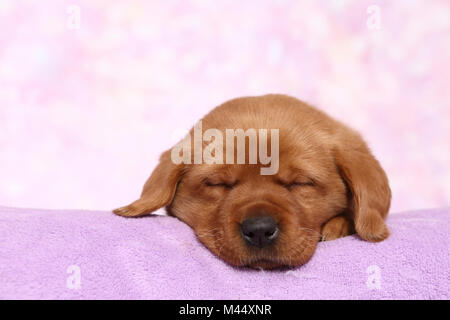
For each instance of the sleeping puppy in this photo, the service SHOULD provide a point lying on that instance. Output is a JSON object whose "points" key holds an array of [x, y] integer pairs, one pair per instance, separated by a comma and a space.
{"points": [[322, 183]]}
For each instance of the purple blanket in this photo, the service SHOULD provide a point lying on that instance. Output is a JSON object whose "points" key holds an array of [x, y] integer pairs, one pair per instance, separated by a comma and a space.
{"points": [[96, 255]]}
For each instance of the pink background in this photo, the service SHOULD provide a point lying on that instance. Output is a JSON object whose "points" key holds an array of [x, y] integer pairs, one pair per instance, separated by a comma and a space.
{"points": [[85, 110]]}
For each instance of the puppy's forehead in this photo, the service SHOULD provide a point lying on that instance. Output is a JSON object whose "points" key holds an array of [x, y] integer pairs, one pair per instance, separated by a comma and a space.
{"points": [[304, 140], [313, 163], [298, 154], [225, 172], [269, 111], [312, 160]]}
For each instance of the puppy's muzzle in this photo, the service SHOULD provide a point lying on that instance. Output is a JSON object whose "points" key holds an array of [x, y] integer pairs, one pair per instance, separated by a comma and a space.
{"points": [[259, 231]]}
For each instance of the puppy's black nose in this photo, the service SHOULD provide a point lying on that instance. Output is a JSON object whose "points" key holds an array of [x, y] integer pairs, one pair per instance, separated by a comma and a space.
{"points": [[259, 231]]}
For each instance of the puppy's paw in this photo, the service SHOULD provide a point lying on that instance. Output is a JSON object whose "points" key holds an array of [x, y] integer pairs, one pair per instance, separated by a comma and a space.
{"points": [[337, 227], [136, 209], [372, 228], [126, 211]]}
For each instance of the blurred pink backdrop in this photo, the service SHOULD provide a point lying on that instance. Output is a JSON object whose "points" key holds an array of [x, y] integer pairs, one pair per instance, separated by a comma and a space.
{"points": [[91, 92]]}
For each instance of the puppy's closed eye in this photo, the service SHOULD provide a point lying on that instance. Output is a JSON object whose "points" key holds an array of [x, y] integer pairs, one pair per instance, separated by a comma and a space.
{"points": [[298, 183], [219, 183]]}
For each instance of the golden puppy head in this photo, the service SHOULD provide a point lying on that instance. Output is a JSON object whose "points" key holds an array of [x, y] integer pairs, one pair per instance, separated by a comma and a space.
{"points": [[323, 181]]}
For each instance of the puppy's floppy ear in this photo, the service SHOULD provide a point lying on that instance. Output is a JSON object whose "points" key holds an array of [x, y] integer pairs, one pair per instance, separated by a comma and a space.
{"points": [[370, 195], [158, 191]]}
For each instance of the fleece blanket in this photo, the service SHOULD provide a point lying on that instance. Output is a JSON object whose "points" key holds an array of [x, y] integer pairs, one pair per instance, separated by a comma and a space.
{"points": [[96, 255]]}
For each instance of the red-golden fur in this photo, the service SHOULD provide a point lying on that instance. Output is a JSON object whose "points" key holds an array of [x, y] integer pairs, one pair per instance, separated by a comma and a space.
{"points": [[329, 185]]}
